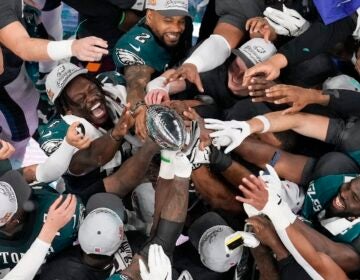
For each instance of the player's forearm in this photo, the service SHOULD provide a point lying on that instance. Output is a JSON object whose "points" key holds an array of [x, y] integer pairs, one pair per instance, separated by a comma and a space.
{"points": [[214, 192], [30, 262], [175, 209], [341, 253], [177, 86], [137, 77], [306, 124], [101, 151], [304, 247], [132, 171], [235, 173], [265, 262]]}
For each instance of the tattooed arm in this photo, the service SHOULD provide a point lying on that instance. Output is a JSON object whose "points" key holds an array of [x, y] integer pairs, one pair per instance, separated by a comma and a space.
{"points": [[137, 76]]}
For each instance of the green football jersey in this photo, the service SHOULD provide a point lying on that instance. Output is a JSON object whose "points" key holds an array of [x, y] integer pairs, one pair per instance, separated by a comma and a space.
{"points": [[52, 135], [320, 195], [43, 196], [139, 46]]}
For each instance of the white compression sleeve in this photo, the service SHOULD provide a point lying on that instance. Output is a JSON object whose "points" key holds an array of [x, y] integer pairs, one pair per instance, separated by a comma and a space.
{"points": [[281, 216], [297, 256], [57, 164], [30, 263], [214, 44]]}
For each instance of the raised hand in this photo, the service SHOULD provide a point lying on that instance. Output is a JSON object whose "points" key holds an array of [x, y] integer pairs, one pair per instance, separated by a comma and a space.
{"points": [[6, 150], [259, 27], [297, 97], [287, 22], [187, 71], [228, 133], [158, 263], [75, 137], [257, 89], [123, 125], [89, 48], [59, 214], [157, 91]]}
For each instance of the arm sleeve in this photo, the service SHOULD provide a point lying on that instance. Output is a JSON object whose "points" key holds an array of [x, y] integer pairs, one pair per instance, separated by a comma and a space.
{"points": [[56, 164], [238, 12], [317, 39], [344, 102], [30, 262], [214, 44], [297, 256]]}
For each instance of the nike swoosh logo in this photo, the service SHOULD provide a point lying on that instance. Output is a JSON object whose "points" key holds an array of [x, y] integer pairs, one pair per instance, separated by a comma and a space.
{"points": [[47, 134], [135, 48]]}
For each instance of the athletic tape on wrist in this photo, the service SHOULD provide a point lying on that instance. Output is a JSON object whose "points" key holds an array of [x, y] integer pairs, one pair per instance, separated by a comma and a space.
{"points": [[58, 50], [166, 166], [265, 121], [280, 214]]}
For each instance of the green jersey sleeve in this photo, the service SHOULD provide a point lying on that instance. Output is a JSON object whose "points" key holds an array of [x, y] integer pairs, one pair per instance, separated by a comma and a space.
{"points": [[52, 135]]}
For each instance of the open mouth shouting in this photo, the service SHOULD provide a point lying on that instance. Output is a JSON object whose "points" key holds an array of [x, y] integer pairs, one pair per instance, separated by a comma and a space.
{"points": [[338, 203]]}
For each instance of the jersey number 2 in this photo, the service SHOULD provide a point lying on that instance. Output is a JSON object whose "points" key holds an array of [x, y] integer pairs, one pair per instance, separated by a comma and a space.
{"points": [[142, 37]]}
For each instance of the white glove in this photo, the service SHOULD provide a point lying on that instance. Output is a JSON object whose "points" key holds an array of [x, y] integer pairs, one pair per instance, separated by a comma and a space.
{"points": [[185, 275], [182, 166], [250, 210], [229, 133], [276, 207], [192, 149], [159, 265], [287, 22], [273, 185], [271, 179]]}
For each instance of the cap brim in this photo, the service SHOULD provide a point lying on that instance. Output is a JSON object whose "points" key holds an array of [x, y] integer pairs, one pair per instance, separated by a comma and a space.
{"points": [[247, 62], [20, 186], [106, 200], [173, 13], [202, 224]]}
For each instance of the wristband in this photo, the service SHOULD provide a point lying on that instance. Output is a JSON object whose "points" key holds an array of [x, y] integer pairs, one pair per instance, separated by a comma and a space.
{"points": [[166, 166], [279, 213], [58, 50], [265, 122]]}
